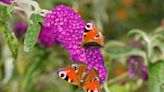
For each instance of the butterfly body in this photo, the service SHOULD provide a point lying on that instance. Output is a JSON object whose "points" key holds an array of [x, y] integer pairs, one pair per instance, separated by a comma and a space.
{"points": [[80, 76], [92, 37]]}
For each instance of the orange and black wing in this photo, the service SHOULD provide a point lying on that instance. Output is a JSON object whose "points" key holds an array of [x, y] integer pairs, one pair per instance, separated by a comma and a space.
{"points": [[92, 37], [69, 74], [91, 82]]}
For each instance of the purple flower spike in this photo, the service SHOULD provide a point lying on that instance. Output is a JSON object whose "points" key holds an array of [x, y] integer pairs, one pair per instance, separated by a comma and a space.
{"points": [[64, 26], [47, 37], [6, 1], [137, 68], [95, 60]]}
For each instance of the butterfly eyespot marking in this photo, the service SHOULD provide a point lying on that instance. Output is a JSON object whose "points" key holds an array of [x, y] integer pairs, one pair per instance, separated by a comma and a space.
{"points": [[75, 66], [62, 74], [88, 27]]}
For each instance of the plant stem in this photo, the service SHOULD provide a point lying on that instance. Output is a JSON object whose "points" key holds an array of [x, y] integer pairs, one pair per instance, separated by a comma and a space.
{"points": [[118, 78], [15, 7], [38, 10], [106, 87]]}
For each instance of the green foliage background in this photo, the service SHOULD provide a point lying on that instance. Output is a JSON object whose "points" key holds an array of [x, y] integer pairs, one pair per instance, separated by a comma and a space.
{"points": [[33, 67]]}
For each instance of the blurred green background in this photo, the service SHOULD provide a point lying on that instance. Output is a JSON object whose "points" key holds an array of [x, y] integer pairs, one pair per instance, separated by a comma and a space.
{"points": [[34, 71]]}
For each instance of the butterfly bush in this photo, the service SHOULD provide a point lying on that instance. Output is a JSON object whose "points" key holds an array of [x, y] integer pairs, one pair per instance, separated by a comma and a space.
{"points": [[64, 26], [137, 68], [6, 1]]}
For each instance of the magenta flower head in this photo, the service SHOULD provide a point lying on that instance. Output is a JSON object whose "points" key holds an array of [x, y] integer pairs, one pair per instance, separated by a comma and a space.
{"points": [[96, 61], [20, 29], [65, 27], [137, 68], [6, 1], [47, 37]]}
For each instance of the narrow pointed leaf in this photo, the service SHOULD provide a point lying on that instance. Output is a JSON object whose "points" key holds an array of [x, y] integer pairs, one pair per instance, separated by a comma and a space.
{"points": [[7, 34], [123, 52], [140, 32]]}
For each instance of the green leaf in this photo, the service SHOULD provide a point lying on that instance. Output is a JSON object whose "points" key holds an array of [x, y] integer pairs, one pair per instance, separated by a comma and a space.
{"points": [[114, 43], [156, 77], [118, 88], [3, 14], [7, 34], [158, 30], [141, 33], [122, 52], [32, 32], [10, 8]]}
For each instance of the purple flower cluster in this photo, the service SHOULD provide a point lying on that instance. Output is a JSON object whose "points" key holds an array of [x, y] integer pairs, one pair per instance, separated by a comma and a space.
{"points": [[137, 68], [64, 26], [20, 29], [95, 60], [6, 1], [47, 37]]}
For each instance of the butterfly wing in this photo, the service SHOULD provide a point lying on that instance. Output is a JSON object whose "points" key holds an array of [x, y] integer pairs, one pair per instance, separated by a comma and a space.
{"points": [[69, 74], [82, 68], [78, 75], [91, 82], [92, 38], [73, 74]]}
